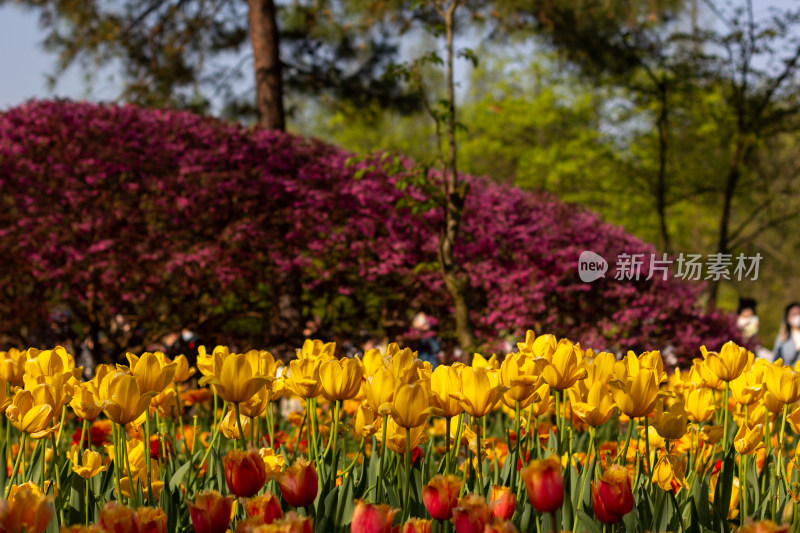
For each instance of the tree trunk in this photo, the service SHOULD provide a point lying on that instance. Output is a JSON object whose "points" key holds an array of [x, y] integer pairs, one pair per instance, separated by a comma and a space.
{"points": [[266, 58], [661, 185], [734, 172], [455, 193]]}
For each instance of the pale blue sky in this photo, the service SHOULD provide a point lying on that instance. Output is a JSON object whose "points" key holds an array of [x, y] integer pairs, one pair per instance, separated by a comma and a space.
{"points": [[24, 64]]}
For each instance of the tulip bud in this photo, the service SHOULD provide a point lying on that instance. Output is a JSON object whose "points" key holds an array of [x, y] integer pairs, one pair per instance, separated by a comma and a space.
{"points": [[416, 525], [503, 502], [210, 512], [471, 515], [244, 472], [500, 526], [151, 520], [291, 523], [440, 495], [266, 507], [611, 496], [27, 510], [371, 518], [118, 518], [299, 484], [544, 484]]}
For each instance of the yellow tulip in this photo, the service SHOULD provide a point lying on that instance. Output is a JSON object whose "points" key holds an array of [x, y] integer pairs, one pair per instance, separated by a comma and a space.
{"points": [[273, 464], [304, 378], [84, 401], [706, 377], [257, 403], [772, 403], [478, 394], [520, 373], [26, 510], [445, 386], [748, 441], [207, 362], [411, 405], [636, 397], [729, 363], [748, 388], [50, 363], [670, 420], [379, 390], [340, 379], [543, 401], [711, 434], [373, 362], [700, 405], [57, 390], [126, 402], [5, 400], [404, 363], [230, 428], [596, 408], [238, 379], [12, 366], [565, 368], [365, 422], [152, 372], [86, 465], [543, 346], [396, 436], [316, 349], [666, 471], [30, 417], [479, 361], [599, 368], [783, 383], [631, 366], [182, 369]]}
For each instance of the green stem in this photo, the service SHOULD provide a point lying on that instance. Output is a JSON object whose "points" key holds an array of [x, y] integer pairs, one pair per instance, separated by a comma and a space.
{"points": [[515, 455], [146, 445], [447, 445], [725, 418], [408, 475], [179, 418], [558, 422], [86, 518], [117, 462], [647, 446], [15, 470], [480, 455], [379, 492], [622, 457], [83, 434], [239, 425]]}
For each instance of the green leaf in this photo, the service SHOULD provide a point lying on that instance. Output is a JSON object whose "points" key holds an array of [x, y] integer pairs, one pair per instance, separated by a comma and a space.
{"points": [[180, 473], [587, 522]]}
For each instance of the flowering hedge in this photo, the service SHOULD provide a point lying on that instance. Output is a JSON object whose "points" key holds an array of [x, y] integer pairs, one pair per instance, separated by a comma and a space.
{"points": [[175, 219]]}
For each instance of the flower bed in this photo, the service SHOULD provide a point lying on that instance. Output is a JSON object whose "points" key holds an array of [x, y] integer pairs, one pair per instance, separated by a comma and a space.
{"points": [[551, 438]]}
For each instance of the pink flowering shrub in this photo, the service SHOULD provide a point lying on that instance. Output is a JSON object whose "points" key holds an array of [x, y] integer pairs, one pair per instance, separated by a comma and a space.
{"points": [[173, 219]]}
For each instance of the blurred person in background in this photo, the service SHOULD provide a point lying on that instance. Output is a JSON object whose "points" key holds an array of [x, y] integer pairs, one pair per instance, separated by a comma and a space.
{"points": [[747, 321], [787, 344]]}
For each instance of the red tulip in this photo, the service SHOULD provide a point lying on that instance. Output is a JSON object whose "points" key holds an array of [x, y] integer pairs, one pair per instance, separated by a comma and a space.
{"points": [[503, 502], [267, 507], [544, 484], [299, 484], [244, 472], [372, 518], [440, 495], [471, 515], [210, 512], [612, 497]]}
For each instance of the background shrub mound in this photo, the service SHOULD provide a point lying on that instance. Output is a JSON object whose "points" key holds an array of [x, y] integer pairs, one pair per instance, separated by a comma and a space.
{"points": [[140, 222]]}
